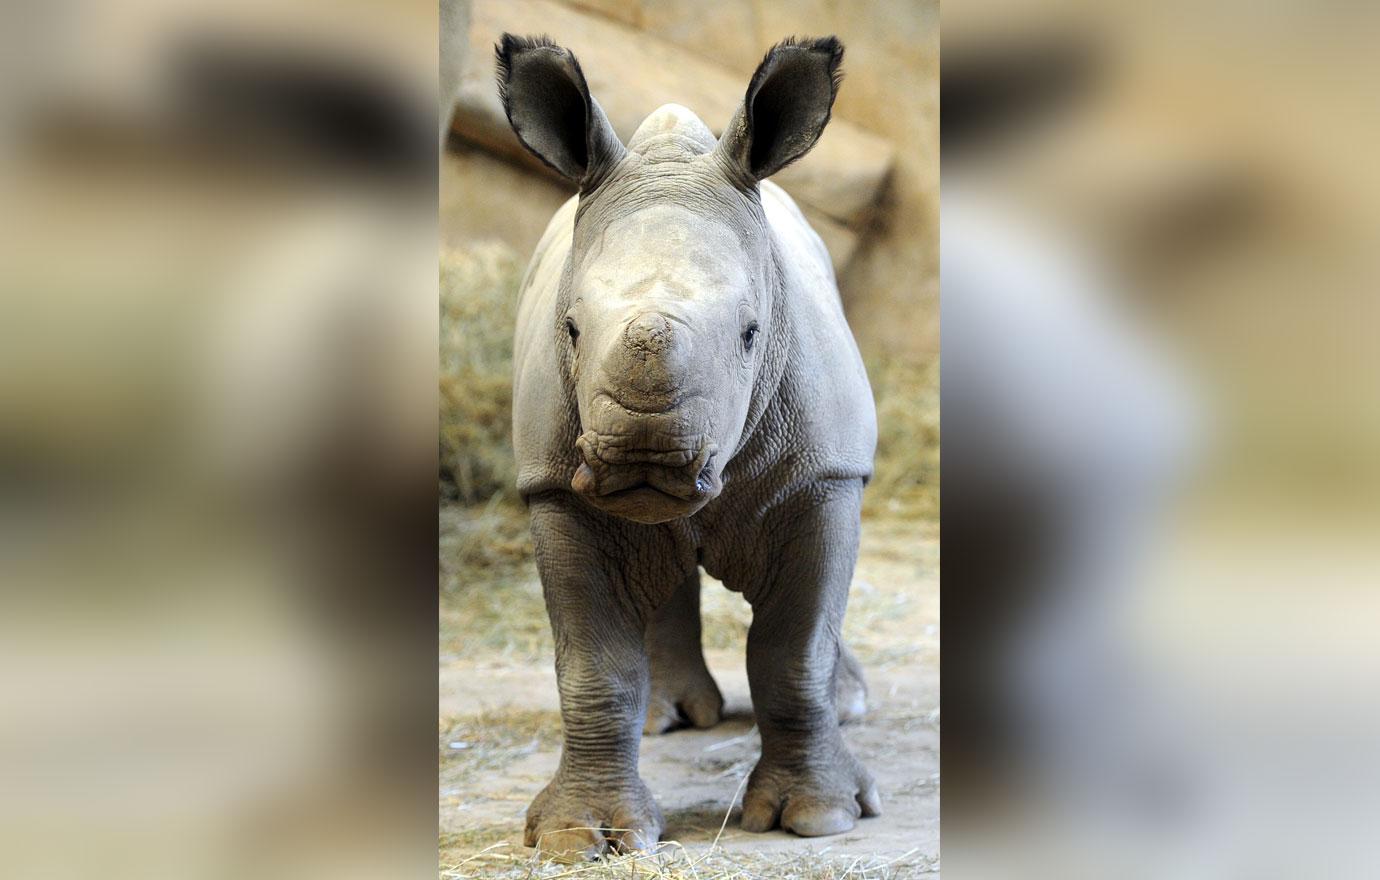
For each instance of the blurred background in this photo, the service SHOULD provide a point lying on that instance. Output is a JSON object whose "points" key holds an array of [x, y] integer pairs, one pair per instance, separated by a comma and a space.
{"points": [[870, 189], [1161, 410], [218, 431], [217, 439]]}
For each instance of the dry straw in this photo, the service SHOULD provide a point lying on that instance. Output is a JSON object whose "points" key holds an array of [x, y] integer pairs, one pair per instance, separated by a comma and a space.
{"points": [[672, 860]]}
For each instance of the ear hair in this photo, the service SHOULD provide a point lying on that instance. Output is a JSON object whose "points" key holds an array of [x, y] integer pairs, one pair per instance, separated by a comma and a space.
{"points": [[548, 104], [510, 45], [788, 103]]}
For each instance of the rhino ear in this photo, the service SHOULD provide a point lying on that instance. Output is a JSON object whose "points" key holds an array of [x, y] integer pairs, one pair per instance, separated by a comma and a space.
{"points": [[550, 109], [786, 107]]}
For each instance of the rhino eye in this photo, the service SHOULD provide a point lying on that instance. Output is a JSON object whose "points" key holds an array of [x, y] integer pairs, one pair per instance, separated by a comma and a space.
{"points": [[572, 330], [749, 336]]}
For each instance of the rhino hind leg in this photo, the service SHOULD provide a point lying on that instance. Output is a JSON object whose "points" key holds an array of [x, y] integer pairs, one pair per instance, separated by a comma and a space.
{"points": [[683, 692], [850, 690]]}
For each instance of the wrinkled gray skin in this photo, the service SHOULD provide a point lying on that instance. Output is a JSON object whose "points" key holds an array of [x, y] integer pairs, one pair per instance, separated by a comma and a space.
{"points": [[686, 394]]}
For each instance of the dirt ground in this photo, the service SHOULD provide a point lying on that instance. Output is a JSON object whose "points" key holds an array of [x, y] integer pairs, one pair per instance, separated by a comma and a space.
{"points": [[500, 729]]}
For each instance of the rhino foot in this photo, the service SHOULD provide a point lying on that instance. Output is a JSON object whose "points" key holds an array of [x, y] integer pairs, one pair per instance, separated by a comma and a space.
{"points": [[683, 697], [810, 803], [573, 822]]}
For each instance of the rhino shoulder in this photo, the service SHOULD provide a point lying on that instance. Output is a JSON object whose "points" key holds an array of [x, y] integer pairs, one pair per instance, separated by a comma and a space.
{"points": [[826, 391]]}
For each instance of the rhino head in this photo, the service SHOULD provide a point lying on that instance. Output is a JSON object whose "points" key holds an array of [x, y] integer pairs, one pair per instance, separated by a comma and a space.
{"points": [[668, 327]]}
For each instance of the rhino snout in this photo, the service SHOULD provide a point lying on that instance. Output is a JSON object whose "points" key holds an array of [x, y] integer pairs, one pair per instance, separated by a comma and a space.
{"points": [[647, 485], [648, 363], [650, 333]]}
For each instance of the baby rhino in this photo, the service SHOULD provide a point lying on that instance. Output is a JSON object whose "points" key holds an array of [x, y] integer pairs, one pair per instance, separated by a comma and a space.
{"points": [[687, 394]]}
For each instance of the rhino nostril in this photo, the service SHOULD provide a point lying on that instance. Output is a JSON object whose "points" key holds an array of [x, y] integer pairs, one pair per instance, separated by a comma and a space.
{"points": [[704, 481]]}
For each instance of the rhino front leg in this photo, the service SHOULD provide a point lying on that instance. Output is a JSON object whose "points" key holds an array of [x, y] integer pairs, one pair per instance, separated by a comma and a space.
{"points": [[683, 691], [850, 690], [806, 780], [597, 798]]}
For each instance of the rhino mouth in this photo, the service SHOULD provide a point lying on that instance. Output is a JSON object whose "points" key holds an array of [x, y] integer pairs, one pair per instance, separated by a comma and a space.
{"points": [[644, 485]]}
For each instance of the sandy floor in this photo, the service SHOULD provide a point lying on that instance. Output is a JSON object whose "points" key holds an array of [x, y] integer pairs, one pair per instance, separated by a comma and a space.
{"points": [[500, 730]]}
